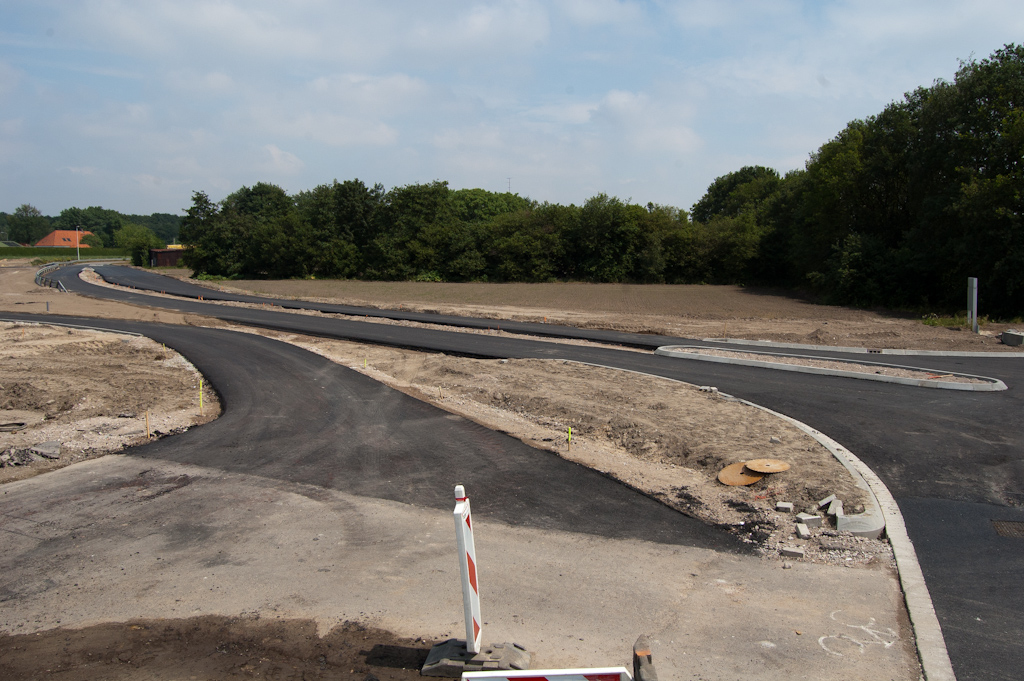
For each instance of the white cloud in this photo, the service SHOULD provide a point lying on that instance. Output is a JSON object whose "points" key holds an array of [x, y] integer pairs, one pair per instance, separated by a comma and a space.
{"points": [[569, 113], [705, 14], [283, 161], [646, 124], [482, 30], [382, 94], [597, 12], [328, 128]]}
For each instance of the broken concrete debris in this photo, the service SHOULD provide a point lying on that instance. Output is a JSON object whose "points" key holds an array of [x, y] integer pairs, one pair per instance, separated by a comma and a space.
{"points": [[1012, 337], [784, 506], [49, 450], [827, 500], [803, 531], [22, 456], [792, 552], [808, 519]]}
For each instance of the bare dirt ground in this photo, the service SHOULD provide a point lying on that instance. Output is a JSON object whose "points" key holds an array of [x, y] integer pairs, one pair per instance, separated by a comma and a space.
{"points": [[687, 311], [670, 443], [90, 393], [212, 648]]}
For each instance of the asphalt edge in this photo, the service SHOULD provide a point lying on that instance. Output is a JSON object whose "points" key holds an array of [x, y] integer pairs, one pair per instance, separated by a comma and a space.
{"points": [[992, 385], [865, 351], [931, 646]]}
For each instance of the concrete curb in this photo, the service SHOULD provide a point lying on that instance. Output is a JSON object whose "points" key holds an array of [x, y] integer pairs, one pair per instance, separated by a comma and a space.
{"points": [[885, 514], [931, 646], [993, 384], [866, 351]]}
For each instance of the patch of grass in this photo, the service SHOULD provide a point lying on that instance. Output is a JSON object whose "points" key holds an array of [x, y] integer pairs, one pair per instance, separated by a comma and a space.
{"points": [[957, 320], [214, 277]]}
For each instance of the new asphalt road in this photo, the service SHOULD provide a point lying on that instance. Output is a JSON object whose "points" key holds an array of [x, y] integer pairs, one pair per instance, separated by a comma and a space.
{"points": [[953, 460]]}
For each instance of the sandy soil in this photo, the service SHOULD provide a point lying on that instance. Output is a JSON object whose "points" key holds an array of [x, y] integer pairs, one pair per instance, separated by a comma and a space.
{"points": [[91, 392]]}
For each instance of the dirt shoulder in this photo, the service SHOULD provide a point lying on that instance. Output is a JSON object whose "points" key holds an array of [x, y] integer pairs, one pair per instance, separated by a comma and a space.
{"points": [[88, 393]]}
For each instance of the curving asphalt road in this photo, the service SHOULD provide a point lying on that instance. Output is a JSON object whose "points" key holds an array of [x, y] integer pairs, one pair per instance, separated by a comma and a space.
{"points": [[953, 460]]}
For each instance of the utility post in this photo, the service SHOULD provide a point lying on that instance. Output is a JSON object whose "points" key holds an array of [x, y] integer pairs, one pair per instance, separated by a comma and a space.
{"points": [[972, 303]]}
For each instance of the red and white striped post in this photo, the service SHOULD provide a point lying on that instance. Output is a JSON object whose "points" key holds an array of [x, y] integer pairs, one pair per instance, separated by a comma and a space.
{"points": [[593, 674], [467, 563]]}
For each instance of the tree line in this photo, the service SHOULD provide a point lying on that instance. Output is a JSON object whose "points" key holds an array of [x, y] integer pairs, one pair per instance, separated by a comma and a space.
{"points": [[897, 210], [27, 225]]}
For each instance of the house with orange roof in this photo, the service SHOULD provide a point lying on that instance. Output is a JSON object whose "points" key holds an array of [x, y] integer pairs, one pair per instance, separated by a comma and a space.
{"points": [[63, 238]]}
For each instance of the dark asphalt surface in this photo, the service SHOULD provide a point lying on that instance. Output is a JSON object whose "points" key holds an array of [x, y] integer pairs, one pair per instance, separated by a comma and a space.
{"points": [[953, 460], [295, 416]]}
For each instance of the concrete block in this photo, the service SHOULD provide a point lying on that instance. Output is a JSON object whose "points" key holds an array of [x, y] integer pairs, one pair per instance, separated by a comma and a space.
{"points": [[50, 450], [784, 506], [803, 531], [860, 525], [808, 519], [836, 508], [792, 552], [1012, 337], [827, 500], [451, 659]]}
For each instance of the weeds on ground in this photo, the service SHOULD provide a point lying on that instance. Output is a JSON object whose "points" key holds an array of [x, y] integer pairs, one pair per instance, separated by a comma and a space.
{"points": [[959, 319]]}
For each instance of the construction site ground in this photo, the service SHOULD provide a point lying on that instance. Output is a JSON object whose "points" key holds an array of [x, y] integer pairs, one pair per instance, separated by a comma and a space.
{"points": [[839, 609]]}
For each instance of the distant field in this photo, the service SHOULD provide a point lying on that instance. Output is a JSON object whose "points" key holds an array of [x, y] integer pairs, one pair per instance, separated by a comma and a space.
{"points": [[706, 302]]}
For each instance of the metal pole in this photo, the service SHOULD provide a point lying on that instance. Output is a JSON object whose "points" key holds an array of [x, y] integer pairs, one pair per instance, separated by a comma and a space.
{"points": [[78, 243], [972, 303]]}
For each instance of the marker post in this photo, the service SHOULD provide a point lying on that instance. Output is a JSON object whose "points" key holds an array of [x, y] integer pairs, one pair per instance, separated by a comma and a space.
{"points": [[467, 565]]}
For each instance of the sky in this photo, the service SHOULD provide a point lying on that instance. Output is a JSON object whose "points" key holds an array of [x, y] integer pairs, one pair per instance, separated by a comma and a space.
{"points": [[134, 106]]}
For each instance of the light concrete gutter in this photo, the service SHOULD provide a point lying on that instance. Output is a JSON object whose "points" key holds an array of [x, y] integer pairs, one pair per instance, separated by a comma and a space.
{"points": [[882, 513], [931, 646], [866, 351], [990, 384]]}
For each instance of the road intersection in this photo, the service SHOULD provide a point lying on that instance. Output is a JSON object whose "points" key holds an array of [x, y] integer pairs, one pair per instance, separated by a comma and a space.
{"points": [[952, 460]]}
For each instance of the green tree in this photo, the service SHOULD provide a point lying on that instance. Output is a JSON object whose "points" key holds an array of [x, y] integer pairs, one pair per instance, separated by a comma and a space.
{"points": [[137, 240], [27, 225], [100, 221], [92, 240]]}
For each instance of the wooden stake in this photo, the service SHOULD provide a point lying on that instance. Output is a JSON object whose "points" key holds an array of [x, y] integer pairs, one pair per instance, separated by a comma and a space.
{"points": [[149, 435]]}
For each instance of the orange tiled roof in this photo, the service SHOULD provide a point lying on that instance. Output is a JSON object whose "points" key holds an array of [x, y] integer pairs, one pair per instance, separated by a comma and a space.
{"points": [[63, 238]]}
